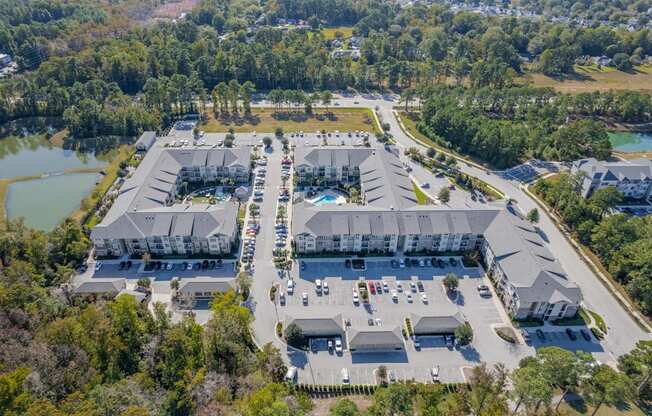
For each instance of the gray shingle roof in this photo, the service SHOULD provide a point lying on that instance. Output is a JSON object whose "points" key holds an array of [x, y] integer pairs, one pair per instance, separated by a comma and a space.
{"points": [[206, 284], [146, 140], [375, 337], [436, 322], [100, 286], [313, 323], [140, 209], [637, 169]]}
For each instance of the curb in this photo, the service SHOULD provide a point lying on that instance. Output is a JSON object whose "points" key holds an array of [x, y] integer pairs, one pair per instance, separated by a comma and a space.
{"points": [[605, 280]]}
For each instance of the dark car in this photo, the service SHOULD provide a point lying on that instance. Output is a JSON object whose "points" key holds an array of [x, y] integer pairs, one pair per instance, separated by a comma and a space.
{"points": [[128, 264], [159, 265], [541, 335], [196, 266], [585, 334], [415, 262], [453, 262], [420, 286], [440, 263], [122, 265], [571, 334], [211, 264], [434, 262], [204, 264]]}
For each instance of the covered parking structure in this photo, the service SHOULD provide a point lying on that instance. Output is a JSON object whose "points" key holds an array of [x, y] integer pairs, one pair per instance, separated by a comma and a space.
{"points": [[376, 339], [316, 324], [436, 323]]}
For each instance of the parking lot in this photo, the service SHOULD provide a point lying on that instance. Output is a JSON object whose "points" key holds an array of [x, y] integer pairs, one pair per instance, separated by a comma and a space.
{"points": [[529, 171], [322, 366]]}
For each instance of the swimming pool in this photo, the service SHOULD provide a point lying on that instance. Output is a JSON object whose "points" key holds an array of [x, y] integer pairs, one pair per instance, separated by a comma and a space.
{"points": [[324, 199]]}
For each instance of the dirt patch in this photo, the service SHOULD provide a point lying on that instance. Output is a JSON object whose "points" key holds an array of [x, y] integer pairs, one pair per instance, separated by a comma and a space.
{"points": [[322, 406], [172, 10]]}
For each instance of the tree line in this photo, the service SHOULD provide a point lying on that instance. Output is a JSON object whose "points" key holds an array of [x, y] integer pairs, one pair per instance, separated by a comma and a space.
{"points": [[623, 243]]}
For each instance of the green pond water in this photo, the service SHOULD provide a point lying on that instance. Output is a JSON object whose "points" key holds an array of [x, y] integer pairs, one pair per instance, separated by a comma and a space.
{"points": [[630, 142], [46, 201]]}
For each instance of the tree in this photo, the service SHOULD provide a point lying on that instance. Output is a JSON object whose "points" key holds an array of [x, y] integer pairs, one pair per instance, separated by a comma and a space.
{"points": [[326, 97], [464, 334], [444, 195], [267, 141], [431, 152], [394, 400], [344, 407], [621, 62], [246, 91], [607, 386], [560, 367], [486, 393], [533, 215], [144, 283], [294, 336], [531, 387], [229, 139], [243, 282], [278, 132], [605, 199], [270, 362], [451, 282]]}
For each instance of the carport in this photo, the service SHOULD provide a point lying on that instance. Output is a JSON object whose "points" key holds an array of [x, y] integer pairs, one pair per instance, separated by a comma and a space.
{"points": [[315, 324], [435, 324], [376, 339]]}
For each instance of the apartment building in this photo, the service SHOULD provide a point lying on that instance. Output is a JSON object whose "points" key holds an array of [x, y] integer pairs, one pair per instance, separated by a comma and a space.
{"points": [[145, 218], [632, 178], [529, 280]]}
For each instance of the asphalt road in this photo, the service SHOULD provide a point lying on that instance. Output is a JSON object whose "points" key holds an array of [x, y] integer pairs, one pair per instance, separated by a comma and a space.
{"points": [[624, 331]]}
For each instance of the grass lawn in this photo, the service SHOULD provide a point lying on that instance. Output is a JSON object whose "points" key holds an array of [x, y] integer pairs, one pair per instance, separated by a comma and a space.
{"points": [[266, 120], [111, 173], [329, 32], [591, 78], [578, 408], [422, 198]]}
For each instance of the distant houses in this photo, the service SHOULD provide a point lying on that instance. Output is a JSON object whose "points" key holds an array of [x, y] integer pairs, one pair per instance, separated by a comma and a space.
{"points": [[632, 178]]}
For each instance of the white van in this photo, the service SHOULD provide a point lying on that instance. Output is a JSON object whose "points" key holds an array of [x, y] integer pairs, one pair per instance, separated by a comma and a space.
{"points": [[291, 375]]}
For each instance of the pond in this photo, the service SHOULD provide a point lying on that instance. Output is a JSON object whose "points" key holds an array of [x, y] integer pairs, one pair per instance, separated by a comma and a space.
{"points": [[630, 141], [52, 196], [44, 203], [33, 155]]}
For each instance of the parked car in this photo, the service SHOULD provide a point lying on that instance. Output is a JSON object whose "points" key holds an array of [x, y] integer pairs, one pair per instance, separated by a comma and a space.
{"points": [[324, 286], [98, 265], [420, 286], [434, 374], [338, 345], [413, 286], [291, 375], [290, 287], [585, 334], [541, 335], [409, 297], [304, 298], [424, 298], [356, 298], [372, 288], [571, 334], [394, 296], [526, 336], [417, 343], [345, 376]]}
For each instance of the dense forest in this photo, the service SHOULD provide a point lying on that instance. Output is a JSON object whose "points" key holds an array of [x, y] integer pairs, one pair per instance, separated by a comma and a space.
{"points": [[177, 66], [623, 243], [505, 126]]}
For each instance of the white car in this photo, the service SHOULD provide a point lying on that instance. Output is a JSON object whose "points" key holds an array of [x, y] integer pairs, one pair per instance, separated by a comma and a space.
{"points": [[304, 297], [98, 265], [325, 287], [338, 345], [394, 296], [356, 298], [401, 263], [318, 285], [345, 376], [290, 287], [434, 373], [385, 287], [168, 266], [424, 298], [413, 287], [409, 297]]}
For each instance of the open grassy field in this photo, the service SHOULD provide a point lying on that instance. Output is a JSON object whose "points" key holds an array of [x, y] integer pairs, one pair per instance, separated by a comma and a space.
{"points": [[329, 32], [632, 155], [266, 120], [592, 78], [580, 408]]}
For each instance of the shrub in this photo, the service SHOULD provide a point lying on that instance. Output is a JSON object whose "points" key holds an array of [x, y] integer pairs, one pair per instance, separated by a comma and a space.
{"points": [[464, 334]]}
